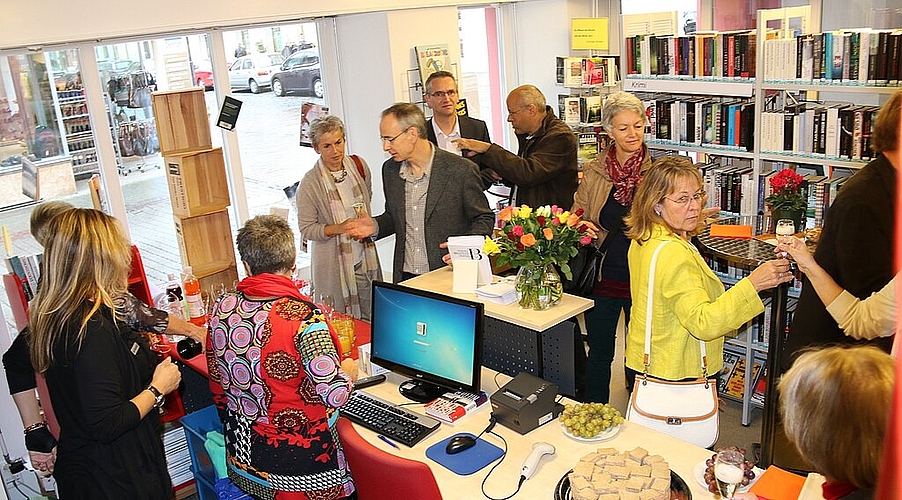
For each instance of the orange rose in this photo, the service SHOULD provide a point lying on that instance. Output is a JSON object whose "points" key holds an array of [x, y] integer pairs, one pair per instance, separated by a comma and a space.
{"points": [[505, 214], [528, 240], [549, 234], [572, 220]]}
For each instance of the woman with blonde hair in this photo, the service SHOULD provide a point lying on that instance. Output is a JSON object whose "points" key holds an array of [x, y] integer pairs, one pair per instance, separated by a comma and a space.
{"points": [[689, 302], [104, 380]]}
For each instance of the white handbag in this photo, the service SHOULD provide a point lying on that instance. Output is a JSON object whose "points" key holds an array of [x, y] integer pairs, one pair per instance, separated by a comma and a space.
{"points": [[684, 410]]}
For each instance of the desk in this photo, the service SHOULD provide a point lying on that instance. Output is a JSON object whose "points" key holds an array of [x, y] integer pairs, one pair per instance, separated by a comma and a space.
{"points": [[520, 340], [681, 456]]}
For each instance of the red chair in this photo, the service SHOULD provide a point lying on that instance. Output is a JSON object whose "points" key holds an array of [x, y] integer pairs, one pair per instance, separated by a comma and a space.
{"points": [[407, 480]]}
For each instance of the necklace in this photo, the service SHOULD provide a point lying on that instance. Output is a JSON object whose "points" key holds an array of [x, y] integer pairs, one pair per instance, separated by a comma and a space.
{"points": [[339, 177]]}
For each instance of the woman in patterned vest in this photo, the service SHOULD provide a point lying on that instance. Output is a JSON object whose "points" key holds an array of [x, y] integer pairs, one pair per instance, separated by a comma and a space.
{"points": [[276, 376]]}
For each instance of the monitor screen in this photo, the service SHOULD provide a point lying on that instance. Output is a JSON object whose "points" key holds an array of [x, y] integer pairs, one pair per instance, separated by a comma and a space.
{"points": [[433, 338]]}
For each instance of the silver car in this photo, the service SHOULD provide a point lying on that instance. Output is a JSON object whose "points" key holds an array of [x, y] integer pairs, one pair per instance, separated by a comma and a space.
{"points": [[254, 71]]}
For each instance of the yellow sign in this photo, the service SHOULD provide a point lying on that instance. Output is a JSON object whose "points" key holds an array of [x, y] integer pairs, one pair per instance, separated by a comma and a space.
{"points": [[589, 34]]}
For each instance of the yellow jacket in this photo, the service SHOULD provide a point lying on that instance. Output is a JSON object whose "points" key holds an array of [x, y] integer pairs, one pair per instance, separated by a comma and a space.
{"points": [[690, 304]]}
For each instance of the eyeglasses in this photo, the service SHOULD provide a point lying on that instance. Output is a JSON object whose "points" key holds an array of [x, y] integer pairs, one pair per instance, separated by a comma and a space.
{"points": [[512, 113], [440, 94], [391, 140], [683, 200]]}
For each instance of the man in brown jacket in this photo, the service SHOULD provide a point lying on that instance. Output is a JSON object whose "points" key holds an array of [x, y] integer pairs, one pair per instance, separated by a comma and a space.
{"points": [[545, 169]]}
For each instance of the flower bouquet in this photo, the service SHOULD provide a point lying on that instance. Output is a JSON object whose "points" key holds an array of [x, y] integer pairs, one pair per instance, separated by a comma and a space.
{"points": [[536, 241], [786, 200]]}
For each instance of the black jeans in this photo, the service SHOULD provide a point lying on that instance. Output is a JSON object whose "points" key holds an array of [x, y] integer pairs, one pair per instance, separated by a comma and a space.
{"points": [[602, 324]]}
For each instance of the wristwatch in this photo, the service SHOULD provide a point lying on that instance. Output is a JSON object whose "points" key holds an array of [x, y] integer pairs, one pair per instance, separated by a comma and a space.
{"points": [[157, 395]]}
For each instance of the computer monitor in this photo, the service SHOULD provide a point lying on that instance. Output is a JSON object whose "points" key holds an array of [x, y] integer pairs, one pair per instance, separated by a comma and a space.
{"points": [[432, 338]]}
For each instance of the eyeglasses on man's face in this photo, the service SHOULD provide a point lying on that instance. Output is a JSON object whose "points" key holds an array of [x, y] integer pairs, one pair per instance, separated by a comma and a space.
{"points": [[512, 112], [698, 196], [441, 94], [391, 140]]}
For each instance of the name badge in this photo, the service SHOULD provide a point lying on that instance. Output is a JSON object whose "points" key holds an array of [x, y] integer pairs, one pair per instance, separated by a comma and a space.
{"points": [[135, 348]]}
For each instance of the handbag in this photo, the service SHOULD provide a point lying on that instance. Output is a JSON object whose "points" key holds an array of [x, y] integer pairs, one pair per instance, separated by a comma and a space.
{"points": [[585, 267], [684, 410]]}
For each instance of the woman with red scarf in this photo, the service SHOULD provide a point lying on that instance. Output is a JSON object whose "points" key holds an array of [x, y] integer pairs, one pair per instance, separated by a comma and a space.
{"points": [[276, 376], [605, 194]]}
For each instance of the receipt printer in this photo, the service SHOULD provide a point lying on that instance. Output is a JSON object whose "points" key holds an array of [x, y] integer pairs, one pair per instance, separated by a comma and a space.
{"points": [[525, 403]]}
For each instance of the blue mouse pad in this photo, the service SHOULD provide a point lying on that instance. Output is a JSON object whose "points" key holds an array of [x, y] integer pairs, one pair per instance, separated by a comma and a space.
{"points": [[467, 461]]}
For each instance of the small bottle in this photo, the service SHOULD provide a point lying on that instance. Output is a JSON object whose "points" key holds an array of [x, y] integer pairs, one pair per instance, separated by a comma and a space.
{"points": [[174, 298], [196, 312]]}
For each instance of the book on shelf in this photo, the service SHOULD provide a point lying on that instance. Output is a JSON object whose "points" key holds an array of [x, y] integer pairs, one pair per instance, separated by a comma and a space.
{"points": [[452, 406], [432, 58], [571, 112], [590, 109], [735, 385], [588, 147], [730, 360], [760, 389]]}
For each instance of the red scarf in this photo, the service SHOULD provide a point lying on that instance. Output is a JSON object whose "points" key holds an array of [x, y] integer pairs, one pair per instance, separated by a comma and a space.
{"points": [[837, 490], [627, 176]]}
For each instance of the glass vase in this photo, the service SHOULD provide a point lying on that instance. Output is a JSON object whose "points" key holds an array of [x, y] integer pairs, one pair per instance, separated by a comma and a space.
{"points": [[538, 286]]}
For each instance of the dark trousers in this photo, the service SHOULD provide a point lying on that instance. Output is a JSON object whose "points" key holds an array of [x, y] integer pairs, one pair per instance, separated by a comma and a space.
{"points": [[602, 324]]}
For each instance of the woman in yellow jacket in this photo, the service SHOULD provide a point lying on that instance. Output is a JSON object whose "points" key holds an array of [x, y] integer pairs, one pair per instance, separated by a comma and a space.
{"points": [[689, 301]]}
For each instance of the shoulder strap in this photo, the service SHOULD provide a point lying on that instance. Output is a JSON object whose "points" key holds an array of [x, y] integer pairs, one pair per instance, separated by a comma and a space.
{"points": [[649, 314], [359, 166]]}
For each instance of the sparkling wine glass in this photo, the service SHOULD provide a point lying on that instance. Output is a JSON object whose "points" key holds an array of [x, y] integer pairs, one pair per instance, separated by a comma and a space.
{"points": [[729, 471], [784, 230]]}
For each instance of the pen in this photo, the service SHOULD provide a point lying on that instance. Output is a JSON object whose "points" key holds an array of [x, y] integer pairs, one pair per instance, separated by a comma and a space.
{"points": [[388, 441]]}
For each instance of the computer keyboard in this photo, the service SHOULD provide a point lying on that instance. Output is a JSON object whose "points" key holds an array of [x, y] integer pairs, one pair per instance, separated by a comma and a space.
{"points": [[388, 419]]}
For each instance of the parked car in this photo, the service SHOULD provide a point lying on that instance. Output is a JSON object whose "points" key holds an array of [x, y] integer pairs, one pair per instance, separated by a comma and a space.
{"points": [[254, 71], [299, 73], [203, 77]]}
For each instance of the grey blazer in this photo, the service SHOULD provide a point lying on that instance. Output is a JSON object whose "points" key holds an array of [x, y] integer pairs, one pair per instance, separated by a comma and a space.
{"points": [[455, 206]]}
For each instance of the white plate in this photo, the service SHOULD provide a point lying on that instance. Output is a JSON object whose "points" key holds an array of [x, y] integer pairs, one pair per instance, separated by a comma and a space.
{"points": [[699, 473], [604, 436]]}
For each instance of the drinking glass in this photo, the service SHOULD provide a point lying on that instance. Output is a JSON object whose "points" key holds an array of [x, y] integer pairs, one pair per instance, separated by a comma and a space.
{"points": [[729, 471], [360, 209], [785, 229], [327, 304], [344, 329]]}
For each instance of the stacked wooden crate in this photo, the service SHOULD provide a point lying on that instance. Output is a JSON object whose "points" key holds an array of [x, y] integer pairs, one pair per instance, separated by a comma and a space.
{"points": [[198, 187]]}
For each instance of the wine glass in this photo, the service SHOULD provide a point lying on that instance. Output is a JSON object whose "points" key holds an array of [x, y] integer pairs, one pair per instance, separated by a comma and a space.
{"points": [[327, 304], [729, 471], [784, 230]]}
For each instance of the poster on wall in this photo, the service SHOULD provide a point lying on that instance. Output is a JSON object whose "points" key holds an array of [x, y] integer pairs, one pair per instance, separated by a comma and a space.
{"points": [[310, 112], [589, 33], [432, 58]]}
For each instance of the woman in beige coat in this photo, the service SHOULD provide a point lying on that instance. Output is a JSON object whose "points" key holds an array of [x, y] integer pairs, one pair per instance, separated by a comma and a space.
{"points": [[340, 266]]}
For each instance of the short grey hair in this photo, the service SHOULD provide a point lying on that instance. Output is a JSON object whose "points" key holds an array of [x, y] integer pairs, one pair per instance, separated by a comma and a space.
{"points": [[266, 245], [408, 115], [530, 94], [617, 102], [324, 125]]}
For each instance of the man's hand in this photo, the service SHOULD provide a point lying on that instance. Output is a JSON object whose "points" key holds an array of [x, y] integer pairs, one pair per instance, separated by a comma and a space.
{"points": [[447, 257], [472, 146], [362, 227]]}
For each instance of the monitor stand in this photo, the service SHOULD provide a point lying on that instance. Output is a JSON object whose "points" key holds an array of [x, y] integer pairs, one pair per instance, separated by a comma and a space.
{"points": [[421, 391]]}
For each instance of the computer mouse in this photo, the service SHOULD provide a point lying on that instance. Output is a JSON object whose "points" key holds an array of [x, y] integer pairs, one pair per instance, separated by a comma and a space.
{"points": [[459, 443]]}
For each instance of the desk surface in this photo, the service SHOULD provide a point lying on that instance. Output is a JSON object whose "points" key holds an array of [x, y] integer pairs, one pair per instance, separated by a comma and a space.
{"points": [[440, 281], [681, 456]]}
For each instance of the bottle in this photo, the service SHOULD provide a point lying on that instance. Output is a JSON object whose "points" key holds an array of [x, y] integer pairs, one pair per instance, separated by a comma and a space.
{"points": [[174, 298], [196, 313]]}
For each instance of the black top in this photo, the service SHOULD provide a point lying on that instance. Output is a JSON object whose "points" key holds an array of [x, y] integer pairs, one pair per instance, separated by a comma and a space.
{"points": [[614, 266], [106, 451], [856, 249]]}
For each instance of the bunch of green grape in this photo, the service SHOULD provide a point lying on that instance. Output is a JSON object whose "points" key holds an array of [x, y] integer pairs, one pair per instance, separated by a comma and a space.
{"points": [[587, 420]]}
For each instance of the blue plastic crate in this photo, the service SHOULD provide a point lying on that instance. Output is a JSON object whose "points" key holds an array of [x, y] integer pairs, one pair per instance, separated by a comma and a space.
{"points": [[197, 425]]}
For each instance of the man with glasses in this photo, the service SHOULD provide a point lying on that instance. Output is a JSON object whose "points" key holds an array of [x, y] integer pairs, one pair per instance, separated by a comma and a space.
{"points": [[445, 125], [430, 194], [545, 170]]}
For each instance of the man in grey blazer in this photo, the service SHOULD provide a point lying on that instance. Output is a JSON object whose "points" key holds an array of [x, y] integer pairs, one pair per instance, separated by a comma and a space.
{"points": [[442, 97], [430, 195]]}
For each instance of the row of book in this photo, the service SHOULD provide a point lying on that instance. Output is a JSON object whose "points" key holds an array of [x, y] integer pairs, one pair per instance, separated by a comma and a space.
{"points": [[708, 121], [732, 377], [703, 54], [576, 110], [584, 71], [841, 131], [861, 56], [28, 269], [728, 185]]}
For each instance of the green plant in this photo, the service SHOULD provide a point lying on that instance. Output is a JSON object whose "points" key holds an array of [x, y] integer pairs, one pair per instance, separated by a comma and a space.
{"points": [[785, 194]]}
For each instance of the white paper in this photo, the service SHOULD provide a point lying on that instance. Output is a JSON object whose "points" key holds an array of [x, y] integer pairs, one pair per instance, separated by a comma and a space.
{"points": [[501, 292], [465, 274], [469, 248]]}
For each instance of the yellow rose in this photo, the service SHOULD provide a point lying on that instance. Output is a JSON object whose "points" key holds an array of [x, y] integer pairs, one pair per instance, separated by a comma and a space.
{"points": [[525, 211]]}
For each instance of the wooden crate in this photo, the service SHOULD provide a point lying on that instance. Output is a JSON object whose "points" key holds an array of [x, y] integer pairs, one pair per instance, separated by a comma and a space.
{"points": [[182, 121], [197, 182], [215, 282], [205, 242]]}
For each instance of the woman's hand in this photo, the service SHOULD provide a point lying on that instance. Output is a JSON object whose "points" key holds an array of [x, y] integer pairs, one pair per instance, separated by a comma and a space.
{"points": [[166, 376], [770, 274], [43, 462], [797, 248], [349, 366], [591, 229], [336, 229]]}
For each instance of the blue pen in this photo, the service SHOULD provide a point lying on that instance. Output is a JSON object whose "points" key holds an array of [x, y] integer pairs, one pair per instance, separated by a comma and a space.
{"points": [[388, 441]]}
